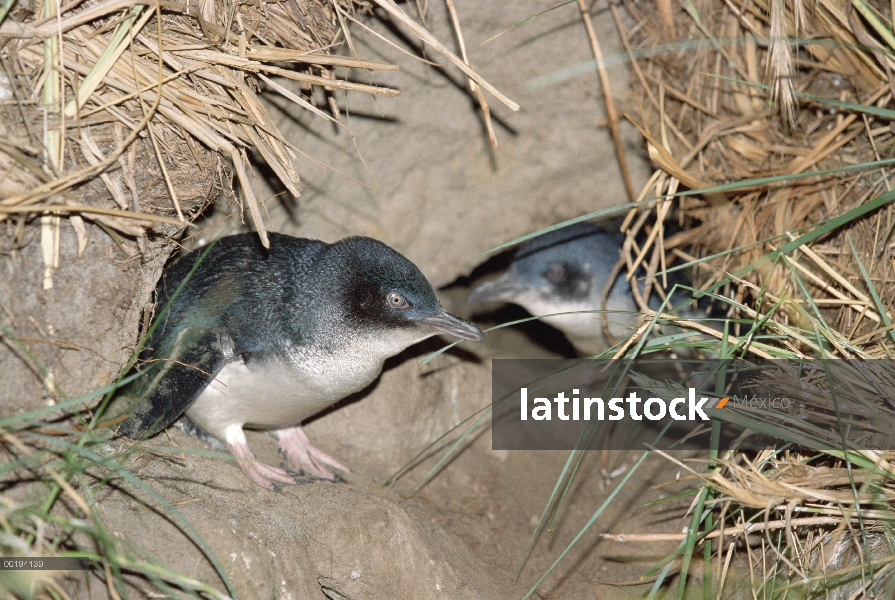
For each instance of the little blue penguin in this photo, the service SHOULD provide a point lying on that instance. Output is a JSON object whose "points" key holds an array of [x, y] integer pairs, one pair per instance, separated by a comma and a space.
{"points": [[566, 271], [266, 338]]}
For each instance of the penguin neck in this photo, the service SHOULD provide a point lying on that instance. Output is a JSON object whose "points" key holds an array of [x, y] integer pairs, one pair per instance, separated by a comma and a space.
{"points": [[335, 334]]}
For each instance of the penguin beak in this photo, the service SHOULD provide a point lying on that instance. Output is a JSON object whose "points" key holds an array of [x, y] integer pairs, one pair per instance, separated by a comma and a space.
{"points": [[447, 323], [503, 289]]}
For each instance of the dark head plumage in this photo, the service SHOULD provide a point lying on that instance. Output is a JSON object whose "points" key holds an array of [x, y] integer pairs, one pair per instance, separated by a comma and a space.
{"points": [[383, 289]]}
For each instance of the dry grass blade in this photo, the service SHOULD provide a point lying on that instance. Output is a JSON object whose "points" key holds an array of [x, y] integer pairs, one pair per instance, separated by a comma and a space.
{"points": [[269, 54], [399, 15], [486, 110], [736, 530], [74, 208], [780, 63], [611, 112]]}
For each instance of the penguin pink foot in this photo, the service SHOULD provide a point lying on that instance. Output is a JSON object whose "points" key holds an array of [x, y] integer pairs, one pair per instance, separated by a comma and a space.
{"points": [[257, 471], [305, 457]]}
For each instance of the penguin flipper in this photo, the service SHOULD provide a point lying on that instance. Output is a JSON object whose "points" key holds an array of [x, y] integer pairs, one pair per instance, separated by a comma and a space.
{"points": [[168, 386]]}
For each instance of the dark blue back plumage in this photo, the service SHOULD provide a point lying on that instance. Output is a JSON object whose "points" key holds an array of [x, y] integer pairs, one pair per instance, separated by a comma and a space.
{"points": [[241, 287]]}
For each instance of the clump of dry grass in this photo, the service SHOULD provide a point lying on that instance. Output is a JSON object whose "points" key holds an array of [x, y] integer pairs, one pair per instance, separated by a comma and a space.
{"points": [[91, 79], [722, 127], [170, 90], [779, 115]]}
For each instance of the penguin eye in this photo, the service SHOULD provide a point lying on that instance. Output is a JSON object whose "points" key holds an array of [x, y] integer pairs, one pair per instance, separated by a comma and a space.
{"points": [[396, 300], [556, 274]]}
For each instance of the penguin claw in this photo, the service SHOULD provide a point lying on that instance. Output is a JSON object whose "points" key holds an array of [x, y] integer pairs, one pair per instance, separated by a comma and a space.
{"points": [[304, 457], [262, 474]]}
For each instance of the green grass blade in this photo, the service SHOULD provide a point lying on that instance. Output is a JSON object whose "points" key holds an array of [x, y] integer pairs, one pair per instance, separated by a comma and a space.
{"points": [[596, 515], [113, 466], [526, 21], [880, 307], [4, 9]]}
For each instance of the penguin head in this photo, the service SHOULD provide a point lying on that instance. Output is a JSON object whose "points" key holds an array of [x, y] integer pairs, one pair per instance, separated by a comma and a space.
{"points": [[382, 290], [563, 269], [561, 275]]}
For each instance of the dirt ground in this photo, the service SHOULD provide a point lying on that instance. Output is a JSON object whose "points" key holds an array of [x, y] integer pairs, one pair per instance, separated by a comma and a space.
{"points": [[460, 536], [418, 173]]}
